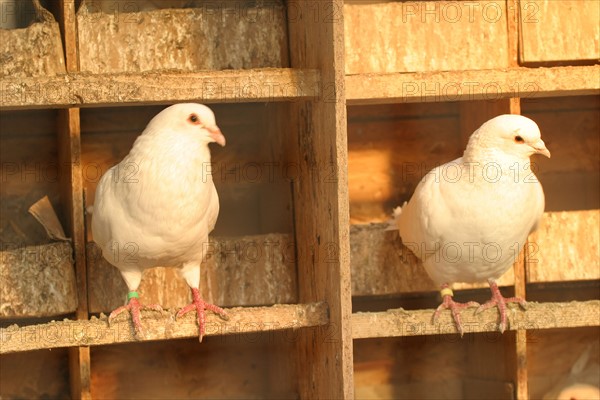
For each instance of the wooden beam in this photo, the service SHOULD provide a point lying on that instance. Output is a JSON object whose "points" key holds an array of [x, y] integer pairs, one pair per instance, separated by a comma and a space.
{"points": [[160, 326], [126, 89], [399, 322], [71, 190], [416, 87], [319, 146]]}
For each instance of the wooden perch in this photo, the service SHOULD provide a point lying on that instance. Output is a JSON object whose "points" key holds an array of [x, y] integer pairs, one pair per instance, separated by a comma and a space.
{"points": [[121, 89], [159, 326], [400, 322], [417, 87]]}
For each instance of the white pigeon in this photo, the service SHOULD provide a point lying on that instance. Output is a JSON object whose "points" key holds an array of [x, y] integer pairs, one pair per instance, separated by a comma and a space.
{"points": [[158, 205], [468, 219]]}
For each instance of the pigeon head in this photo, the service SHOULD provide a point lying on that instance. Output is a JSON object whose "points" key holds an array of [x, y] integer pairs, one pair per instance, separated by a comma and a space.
{"points": [[189, 118], [514, 135]]}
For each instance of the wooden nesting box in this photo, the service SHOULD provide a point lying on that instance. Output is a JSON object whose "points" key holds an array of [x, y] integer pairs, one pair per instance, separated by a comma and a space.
{"points": [[333, 111]]}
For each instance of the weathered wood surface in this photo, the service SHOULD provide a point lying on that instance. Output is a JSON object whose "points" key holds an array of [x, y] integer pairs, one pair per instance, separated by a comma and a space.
{"points": [[250, 270], [214, 36], [49, 367], [120, 89], [382, 265], [318, 143], [261, 269], [37, 280], [566, 30], [32, 51], [565, 247], [384, 36], [224, 367], [493, 84], [160, 326], [538, 316]]}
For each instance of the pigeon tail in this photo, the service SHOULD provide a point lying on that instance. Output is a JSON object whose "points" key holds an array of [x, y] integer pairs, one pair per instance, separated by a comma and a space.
{"points": [[392, 224]]}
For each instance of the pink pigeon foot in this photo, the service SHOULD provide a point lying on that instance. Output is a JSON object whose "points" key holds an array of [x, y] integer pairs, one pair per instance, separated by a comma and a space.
{"points": [[200, 306], [454, 307], [134, 307], [500, 301]]}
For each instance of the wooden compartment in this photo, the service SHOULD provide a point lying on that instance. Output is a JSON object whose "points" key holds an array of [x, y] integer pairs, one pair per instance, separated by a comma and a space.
{"points": [[252, 257], [390, 148], [31, 170]]}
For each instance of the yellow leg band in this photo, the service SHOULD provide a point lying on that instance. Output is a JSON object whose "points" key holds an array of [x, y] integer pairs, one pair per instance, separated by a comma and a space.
{"points": [[446, 292]]}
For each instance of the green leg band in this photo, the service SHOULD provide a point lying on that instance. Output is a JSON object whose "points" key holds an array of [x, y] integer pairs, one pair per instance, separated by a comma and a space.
{"points": [[132, 294]]}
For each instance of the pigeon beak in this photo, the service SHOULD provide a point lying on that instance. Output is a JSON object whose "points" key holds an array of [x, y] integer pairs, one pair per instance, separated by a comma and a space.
{"points": [[540, 148], [216, 135]]}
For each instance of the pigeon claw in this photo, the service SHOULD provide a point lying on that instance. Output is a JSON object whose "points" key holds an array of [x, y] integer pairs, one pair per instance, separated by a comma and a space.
{"points": [[449, 304], [134, 308], [200, 306], [500, 301]]}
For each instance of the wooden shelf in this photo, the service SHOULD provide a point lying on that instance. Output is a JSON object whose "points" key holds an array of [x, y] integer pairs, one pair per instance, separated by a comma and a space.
{"points": [[159, 326], [393, 323], [416, 87], [164, 87]]}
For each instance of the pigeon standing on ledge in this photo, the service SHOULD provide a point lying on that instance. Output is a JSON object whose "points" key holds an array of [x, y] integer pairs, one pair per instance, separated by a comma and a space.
{"points": [[158, 205], [468, 219]]}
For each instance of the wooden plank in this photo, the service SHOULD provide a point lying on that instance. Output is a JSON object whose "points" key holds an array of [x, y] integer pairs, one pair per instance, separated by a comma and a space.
{"points": [[382, 265], [565, 247], [119, 89], [69, 32], [226, 367], [252, 270], [37, 281], [202, 36], [319, 143], [472, 85], [71, 190], [489, 367], [513, 33], [574, 32], [71, 183], [80, 372], [424, 36], [160, 326], [32, 51], [417, 367], [538, 316], [49, 367]]}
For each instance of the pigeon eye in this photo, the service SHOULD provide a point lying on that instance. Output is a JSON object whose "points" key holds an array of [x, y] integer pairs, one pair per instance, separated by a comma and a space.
{"points": [[519, 139], [193, 118]]}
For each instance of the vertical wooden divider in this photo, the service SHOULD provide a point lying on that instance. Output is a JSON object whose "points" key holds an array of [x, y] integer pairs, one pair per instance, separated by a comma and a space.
{"points": [[319, 145], [513, 8], [69, 145]]}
